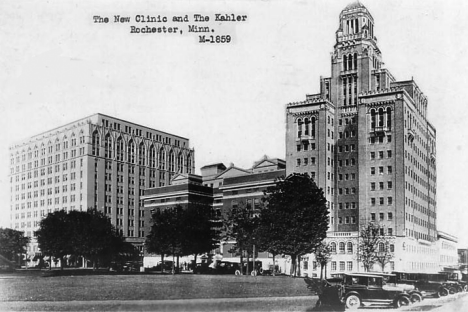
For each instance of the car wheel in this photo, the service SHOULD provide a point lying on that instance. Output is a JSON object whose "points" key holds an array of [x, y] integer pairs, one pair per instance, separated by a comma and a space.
{"points": [[452, 291], [353, 302], [415, 298], [253, 273], [238, 272], [465, 288], [403, 301], [442, 292]]}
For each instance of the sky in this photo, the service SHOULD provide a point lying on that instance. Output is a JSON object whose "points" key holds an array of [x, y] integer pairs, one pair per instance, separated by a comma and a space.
{"points": [[58, 65]]}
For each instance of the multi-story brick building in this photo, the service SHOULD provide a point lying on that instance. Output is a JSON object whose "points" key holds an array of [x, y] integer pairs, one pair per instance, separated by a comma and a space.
{"points": [[96, 162], [224, 188], [366, 140]]}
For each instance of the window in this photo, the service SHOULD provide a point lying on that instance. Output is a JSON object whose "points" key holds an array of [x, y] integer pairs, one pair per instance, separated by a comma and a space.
{"points": [[342, 265], [390, 231], [381, 185], [381, 216], [350, 266], [381, 200], [389, 185], [390, 216], [312, 160], [349, 247], [372, 201], [342, 247], [389, 154], [333, 265], [372, 216], [372, 186], [389, 200], [380, 170], [298, 162], [389, 169], [333, 246], [380, 154], [381, 246]]}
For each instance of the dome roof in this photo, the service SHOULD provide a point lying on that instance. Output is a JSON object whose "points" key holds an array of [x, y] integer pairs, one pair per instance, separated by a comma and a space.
{"points": [[354, 5]]}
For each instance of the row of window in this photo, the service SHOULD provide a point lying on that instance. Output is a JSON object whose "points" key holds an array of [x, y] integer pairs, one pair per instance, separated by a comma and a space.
{"points": [[380, 139], [381, 185], [381, 201]]}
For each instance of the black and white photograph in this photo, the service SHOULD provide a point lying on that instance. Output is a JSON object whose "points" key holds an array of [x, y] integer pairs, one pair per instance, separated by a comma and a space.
{"points": [[245, 155]]}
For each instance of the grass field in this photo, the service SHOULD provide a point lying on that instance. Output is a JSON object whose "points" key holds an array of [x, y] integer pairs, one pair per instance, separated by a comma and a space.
{"points": [[35, 287]]}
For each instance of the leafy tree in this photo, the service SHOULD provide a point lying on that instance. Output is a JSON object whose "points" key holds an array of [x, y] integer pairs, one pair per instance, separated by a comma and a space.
{"points": [[374, 246], [297, 213], [200, 230], [54, 235], [323, 256], [12, 243], [240, 225], [165, 234], [89, 234]]}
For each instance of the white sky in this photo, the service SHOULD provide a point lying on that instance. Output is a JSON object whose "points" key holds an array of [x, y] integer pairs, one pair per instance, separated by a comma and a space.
{"points": [[229, 100]]}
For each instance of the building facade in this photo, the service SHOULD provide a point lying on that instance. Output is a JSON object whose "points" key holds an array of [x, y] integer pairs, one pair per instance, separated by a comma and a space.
{"points": [[96, 162], [224, 188], [366, 140]]}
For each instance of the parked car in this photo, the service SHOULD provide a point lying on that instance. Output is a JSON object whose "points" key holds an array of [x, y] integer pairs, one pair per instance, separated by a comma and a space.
{"points": [[166, 266], [390, 282], [428, 284], [360, 289], [218, 267]]}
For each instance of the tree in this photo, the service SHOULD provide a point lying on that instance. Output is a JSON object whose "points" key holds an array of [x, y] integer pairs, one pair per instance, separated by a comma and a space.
{"points": [[89, 234], [12, 243], [165, 235], [54, 235], [240, 225], [323, 256], [200, 229], [297, 214], [374, 246]]}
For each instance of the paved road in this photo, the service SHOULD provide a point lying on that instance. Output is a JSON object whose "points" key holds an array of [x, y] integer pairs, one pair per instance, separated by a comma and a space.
{"points": [[456, 303]]}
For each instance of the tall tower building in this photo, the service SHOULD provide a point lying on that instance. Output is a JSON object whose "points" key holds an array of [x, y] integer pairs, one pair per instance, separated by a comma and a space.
{"points": [[366, 141], [97, 162]]}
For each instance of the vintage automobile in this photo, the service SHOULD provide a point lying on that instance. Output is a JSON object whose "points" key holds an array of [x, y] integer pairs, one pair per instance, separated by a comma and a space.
{"points": [[428, 284], [217, 267], [360, 289], [455, 279], [390, 282]]}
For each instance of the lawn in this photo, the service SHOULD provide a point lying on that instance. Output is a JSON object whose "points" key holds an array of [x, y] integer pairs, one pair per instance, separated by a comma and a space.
{"points": [[35, 287]]}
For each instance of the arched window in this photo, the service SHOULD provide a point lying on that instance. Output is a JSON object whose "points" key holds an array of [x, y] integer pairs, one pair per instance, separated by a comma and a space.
{"points": [[131, 152], [381, 247], [189, 164], [389, 117], [312, 133], [162, 159], [372, 112], [120, 149], [349, 247], [355, 60], [152, 156], [108, 146], [299, 128], [180, 162], [350, 62], [306, 126], [95, 149], [171, 161], [345, 62], [381, 117], [342, 247], [333, 247], [141, 154]]}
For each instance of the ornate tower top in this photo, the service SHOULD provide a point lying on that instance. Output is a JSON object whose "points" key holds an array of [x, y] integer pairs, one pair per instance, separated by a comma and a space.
{"points": [[355, 23]]}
